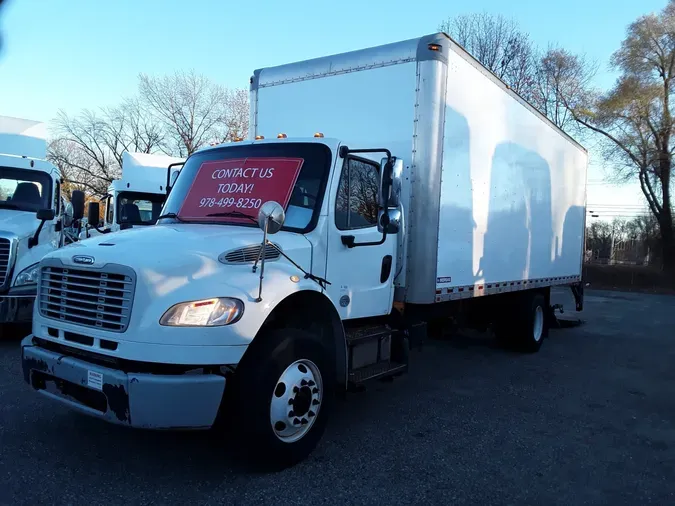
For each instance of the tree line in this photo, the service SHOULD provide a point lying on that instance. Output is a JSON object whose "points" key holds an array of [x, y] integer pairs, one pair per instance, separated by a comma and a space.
{"points": [[632, 122], [174, 115]]}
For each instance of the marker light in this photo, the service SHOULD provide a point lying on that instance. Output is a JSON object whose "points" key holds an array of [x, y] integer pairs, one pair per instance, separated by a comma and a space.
{"points": [[434, 47], [259, 137], [282, 136], [204, 313], [238, 139], [318, 134]]}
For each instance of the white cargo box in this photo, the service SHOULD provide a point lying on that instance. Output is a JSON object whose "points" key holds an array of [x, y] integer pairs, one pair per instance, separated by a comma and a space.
{"points": [[23, 137], [495, 194], [146, 169]]}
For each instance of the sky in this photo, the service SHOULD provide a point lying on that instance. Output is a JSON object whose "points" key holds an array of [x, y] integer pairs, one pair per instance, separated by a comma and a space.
{"points": [[75, 54]]}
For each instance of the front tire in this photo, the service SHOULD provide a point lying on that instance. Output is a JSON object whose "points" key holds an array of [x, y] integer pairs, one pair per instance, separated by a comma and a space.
{"points": [[280, 398]]}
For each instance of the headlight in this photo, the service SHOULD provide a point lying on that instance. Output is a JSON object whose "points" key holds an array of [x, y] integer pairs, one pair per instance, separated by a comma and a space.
{"points": [[204, 313], [28, 276]]}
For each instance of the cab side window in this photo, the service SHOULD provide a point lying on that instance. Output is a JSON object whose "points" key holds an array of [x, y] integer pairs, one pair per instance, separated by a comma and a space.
{"points": [[109, 210], [57, 198], [356, 204]]}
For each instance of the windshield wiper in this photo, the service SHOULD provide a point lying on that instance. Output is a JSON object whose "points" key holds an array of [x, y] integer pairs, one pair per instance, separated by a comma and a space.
{"points": [[233, 214], [170, 215]]}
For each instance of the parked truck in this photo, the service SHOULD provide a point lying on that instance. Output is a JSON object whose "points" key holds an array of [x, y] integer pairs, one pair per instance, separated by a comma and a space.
{"points": [[137, 198], [33, 214], [380, 190]]}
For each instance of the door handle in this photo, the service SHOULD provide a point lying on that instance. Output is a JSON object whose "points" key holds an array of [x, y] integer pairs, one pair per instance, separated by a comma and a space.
{"points": [[386, 268]]}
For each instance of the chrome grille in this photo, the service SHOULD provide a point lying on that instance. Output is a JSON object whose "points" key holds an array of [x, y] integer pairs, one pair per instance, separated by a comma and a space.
{"points": [[249, 254], [93, 298], [5, 255]]}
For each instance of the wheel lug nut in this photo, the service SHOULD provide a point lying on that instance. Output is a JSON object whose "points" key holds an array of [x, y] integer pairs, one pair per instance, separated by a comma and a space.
{"points": [[296, 390], [303, 383], [305, 421], [315, 390], [296, 421], [315, 402], [311, 414], [290, 402], [290, 413]]}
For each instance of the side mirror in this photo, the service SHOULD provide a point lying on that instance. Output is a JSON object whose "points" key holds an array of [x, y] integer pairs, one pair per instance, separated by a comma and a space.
{"points": [[42, 215], [386, 166], [271, 217], [396, 183], [93, 214], [77, 200], [45, 214]]}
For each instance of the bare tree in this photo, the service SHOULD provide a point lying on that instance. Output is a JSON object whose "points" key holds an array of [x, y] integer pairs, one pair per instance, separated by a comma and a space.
{"points": [[635, 118], [193, 110], [562, 82], [235, 120], [88, 148], [498, 44]]}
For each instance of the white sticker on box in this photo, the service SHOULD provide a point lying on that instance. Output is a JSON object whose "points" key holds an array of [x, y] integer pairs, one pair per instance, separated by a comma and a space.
{"points": [[95, 380]]}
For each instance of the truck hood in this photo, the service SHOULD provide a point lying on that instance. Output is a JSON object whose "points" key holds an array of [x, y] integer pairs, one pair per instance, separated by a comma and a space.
{"points": [[169, 257], [21, 223]]}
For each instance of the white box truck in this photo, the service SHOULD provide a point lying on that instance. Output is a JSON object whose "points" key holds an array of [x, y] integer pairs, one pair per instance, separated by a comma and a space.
{"points": [[33, 214], [137, 198], [380, 189]]}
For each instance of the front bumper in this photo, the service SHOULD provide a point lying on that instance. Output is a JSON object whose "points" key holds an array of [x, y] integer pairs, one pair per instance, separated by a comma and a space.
{"points": [[16, 308], [180, 401]]}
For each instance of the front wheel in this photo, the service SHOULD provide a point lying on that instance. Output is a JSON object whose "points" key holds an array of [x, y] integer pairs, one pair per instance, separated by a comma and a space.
{"points": [[280, 398]]}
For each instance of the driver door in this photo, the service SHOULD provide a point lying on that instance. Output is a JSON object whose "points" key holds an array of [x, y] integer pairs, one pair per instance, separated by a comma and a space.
{"points": [[362, 276]]}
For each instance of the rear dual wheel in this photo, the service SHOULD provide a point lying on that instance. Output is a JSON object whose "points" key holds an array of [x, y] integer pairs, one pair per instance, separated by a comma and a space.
{"points": [[523, 325]]}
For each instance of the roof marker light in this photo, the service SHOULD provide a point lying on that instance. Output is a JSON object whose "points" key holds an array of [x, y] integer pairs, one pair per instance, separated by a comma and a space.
{"points": [[318, 134], [259, 137], [282, 136]]}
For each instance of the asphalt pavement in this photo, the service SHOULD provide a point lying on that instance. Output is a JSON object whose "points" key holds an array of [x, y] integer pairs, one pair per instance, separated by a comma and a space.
{"points": [[590, 419]]}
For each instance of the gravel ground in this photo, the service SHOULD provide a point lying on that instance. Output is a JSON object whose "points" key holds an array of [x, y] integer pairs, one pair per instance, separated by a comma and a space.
{"points": [[590, 419]]}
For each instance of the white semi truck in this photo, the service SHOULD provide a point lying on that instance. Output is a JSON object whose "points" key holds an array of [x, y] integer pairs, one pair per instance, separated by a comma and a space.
{"points": [[435, 192], [137, 198], [33, 214]]}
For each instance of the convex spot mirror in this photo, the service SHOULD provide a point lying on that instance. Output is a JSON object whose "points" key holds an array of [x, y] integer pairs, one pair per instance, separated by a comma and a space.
{"points": [[389, 220], [271, 214]]}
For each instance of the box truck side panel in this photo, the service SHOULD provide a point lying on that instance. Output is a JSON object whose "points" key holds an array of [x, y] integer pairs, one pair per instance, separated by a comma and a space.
{"points": [[513, 193], [371, 108]]}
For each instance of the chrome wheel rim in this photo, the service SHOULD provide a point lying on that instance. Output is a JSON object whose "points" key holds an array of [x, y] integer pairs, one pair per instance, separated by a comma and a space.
{"points": [[538, 327], [296, 401]]}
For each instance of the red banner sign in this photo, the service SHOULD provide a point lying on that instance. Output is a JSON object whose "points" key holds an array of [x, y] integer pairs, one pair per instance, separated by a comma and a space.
{"points": [[241, 184]]}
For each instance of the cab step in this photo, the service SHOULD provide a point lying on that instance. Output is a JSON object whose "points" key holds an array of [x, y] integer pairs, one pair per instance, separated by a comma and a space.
{"points": [[375, 352], [376, 371]]}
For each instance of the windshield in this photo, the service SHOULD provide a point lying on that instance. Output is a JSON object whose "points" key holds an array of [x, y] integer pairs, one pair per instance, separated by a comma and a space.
{"points": [[139, 208], [24, 190], [240, 178]]}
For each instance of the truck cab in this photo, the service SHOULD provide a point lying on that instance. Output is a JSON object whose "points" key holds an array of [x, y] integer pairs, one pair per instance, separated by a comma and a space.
{"points": [[137, 198], [33, 214]]}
